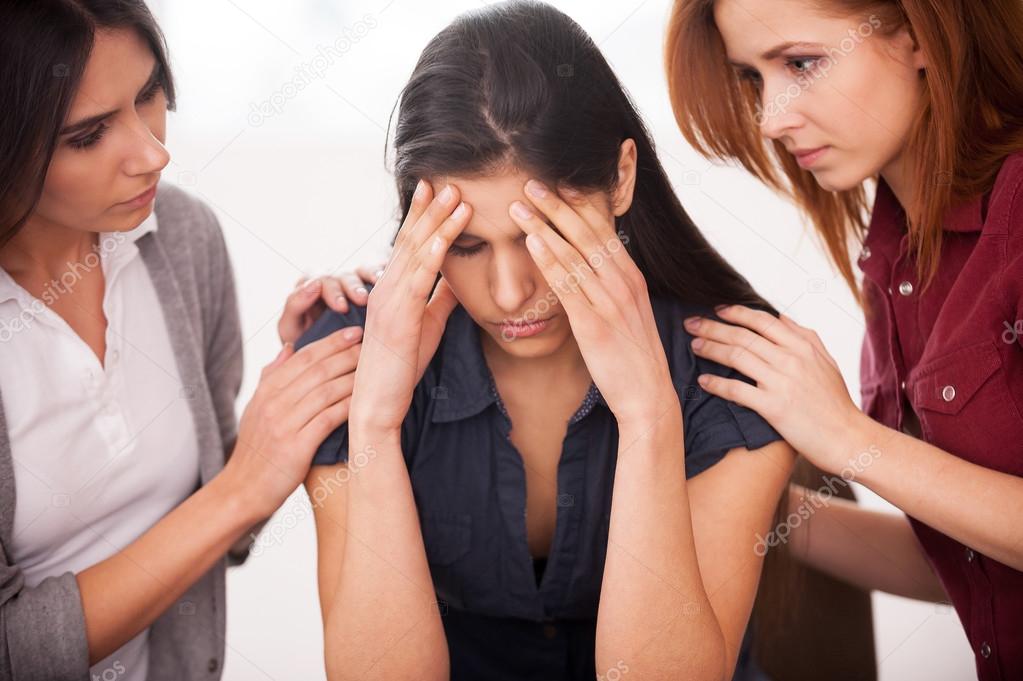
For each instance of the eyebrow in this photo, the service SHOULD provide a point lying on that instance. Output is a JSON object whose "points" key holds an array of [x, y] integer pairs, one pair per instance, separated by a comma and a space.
{"points": [[776, 51], [87, 123]]}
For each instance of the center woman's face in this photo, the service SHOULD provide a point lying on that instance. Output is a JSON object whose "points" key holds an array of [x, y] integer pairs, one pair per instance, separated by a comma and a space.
{"points": [[493, 276], [848, 87]]}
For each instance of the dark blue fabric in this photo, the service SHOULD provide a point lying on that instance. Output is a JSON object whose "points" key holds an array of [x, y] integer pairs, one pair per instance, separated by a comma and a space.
{"points": [[470, 489]]}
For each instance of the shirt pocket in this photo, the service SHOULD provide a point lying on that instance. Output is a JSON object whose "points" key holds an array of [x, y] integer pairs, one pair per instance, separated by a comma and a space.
{"points": [[963, 402], [447, 536]]}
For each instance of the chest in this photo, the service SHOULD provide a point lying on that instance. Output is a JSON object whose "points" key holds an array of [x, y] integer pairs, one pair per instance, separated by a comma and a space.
{"points": [[539, 427], [96, 448], [935, 356]]}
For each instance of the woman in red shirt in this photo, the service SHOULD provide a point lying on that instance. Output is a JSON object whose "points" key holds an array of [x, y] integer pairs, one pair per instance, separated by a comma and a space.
{"points": [[818, 99]]}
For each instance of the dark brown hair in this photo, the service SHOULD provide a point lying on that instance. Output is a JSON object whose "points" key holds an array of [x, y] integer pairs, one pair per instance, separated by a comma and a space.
{"points": [[44, 47], [522, 84]]}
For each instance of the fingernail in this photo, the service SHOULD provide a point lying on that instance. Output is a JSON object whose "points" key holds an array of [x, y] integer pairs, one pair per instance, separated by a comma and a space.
{"points": [[437, 245], [459, 212], [378, 274], [703, 380], [536, 189], [352, 333], [721, 308], [521, 210], [361, 290], [311, 286], [697, 343], [341, 301], [445, 195], [420, 188], [692, 322]]}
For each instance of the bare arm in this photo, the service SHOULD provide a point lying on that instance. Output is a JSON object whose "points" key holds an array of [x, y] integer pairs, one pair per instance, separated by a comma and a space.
{"points": [[681, 572], [935, 486], [381, 619], [300, 399], [869, 549]]}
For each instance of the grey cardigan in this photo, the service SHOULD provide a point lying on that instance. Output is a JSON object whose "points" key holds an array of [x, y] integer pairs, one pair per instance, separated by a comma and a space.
{"points": [[42, 630]]}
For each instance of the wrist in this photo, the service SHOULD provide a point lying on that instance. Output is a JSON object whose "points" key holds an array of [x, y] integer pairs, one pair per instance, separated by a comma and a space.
{"points": [[364, 431], [854, 450], [234, 498], [657, 411]]}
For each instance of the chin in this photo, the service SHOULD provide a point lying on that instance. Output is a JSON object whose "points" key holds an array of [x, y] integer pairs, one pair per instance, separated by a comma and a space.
{"points": [[834, 181]]}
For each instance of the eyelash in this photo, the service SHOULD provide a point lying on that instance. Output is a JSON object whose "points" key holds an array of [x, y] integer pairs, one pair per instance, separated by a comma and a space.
{"points": [[754, 77], [91, 139], [792, 62], [461, 252], [96, 135]]}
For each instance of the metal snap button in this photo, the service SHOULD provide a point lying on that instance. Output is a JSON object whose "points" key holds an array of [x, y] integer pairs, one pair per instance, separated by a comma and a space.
{"points": [[948, 393], [970, 555], [906, 288], [985, 650]]}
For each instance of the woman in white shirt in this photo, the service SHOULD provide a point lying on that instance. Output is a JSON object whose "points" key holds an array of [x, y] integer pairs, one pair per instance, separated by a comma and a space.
{"points": [[120, 359]]}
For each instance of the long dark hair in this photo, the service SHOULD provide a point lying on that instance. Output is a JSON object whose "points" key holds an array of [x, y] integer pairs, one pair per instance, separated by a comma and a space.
{"points": [[44, 47], [521, 83]]}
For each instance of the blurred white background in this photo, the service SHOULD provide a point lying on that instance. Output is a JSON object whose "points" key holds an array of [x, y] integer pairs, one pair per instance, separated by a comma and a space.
{"points": [[304, 189]]}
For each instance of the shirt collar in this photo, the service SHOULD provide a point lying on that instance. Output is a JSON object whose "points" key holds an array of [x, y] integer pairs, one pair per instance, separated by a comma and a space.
{"points": [[888, 223], [466, 385]]}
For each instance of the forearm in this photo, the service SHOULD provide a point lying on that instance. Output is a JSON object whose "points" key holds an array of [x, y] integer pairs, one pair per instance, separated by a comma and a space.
{"points": [[127, 592], [384, 622], [869, 549], [654, 613], [937, 487]]}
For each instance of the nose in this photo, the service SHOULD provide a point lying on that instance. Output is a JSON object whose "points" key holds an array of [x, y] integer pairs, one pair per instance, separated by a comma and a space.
{"points": [[513, 280], [146, 154], [779, 109]]}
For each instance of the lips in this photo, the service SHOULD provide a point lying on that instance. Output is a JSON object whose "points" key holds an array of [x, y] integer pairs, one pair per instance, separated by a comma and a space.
{"points": [[807, 157], [144, 196]]}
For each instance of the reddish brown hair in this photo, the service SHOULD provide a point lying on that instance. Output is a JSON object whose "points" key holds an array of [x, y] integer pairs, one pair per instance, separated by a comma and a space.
{"points": [[971, 120]]}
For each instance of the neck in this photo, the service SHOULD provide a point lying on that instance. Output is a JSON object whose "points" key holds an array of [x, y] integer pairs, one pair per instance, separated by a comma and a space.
{"points": [[44, 248], [899, 176]]}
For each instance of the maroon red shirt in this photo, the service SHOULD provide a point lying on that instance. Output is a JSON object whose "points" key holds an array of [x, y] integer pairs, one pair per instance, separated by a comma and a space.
{"points": [[946, 365]]}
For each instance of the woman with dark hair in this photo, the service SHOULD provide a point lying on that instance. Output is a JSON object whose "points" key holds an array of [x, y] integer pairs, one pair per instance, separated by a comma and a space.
{"points": [[524, 364], [921, 103], [120, 365]]}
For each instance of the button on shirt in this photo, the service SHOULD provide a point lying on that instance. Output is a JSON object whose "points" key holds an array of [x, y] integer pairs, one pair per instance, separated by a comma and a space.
{"points": [[100, 452], [946, 365], [470, 490]]}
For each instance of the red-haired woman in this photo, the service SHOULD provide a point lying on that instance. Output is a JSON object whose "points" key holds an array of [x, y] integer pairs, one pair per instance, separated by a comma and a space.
{"points": [[818, 100]]}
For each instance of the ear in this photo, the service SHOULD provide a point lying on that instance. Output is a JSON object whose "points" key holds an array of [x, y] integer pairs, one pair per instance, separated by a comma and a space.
{"points": [[621, 199], [907, 43]]}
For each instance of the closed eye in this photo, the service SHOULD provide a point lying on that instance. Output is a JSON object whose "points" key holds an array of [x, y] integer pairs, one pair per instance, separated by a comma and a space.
{"points": [[465, 252]]}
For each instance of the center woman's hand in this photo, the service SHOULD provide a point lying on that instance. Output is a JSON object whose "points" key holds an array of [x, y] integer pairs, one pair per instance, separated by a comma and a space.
{"points": [[605, 297], [406, 315]]}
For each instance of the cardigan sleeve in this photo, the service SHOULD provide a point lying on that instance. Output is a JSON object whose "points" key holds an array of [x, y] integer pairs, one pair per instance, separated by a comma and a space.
{"points": [[42, 629]]}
